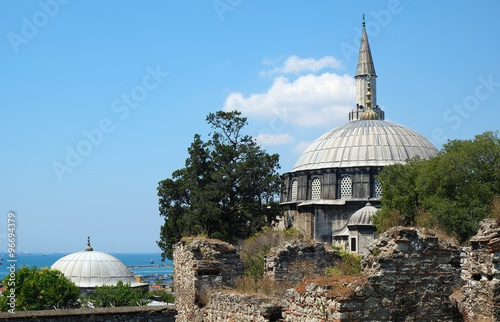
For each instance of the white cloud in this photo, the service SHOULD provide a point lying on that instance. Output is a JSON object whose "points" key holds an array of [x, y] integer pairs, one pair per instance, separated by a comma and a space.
{"points": [[310, 101], [300, 147], [296, 65], [274, 138]]}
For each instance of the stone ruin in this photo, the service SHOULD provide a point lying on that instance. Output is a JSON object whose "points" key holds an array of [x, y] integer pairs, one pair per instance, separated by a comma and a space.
{"points": [[479, 297], [409, 275]]}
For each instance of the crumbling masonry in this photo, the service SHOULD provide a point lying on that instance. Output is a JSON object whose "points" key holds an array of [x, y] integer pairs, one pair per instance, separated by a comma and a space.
{"points": [[409, 275]]}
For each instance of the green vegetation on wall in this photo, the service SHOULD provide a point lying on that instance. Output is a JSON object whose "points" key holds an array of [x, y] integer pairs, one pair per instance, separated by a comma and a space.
{"points": [[255, 248]]}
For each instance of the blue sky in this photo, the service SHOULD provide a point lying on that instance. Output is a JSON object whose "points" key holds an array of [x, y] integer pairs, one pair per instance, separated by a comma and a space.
{"points": [[101, 99]]}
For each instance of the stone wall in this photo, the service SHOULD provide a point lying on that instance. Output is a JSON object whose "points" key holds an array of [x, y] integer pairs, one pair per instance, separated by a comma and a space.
{"points": [[409, 275], [479, 298], [118, 314], [227, 306], [292, 261], [409, 279], [200, 266]]}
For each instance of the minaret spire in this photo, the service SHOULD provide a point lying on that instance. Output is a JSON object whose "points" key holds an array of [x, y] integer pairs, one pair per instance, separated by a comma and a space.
{"points": [[365, 73]]}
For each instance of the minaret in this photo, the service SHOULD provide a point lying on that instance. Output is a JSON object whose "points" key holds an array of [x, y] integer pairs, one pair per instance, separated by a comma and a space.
{"points": [[365, 74]]}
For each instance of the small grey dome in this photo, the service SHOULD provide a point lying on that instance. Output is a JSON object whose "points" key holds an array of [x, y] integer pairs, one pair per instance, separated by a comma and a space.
{"points": [[89, 268], [365, 143], [363, 217]]}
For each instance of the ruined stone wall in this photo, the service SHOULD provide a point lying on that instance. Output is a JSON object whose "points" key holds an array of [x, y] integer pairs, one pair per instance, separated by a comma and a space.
{"points": [[224, 306], [200, 266], [315, 303], [293, 260], [479, 298], [117, 314], [409, 275], [410, 279]]}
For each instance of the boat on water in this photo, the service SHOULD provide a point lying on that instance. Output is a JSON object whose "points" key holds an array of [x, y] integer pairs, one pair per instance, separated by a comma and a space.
{"points": [[151, 261]]}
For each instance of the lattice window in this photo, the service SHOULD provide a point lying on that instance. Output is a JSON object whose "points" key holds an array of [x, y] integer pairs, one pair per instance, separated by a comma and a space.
{"points": [[295, 189], [377, 189], [316, 189], [346, 187], [353, 244]]}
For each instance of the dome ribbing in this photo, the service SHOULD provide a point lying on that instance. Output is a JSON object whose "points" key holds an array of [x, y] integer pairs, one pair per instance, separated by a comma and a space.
{"points": [[365, 143]]}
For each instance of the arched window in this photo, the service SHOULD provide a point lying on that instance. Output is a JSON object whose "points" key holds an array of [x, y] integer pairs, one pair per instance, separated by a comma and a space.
{"points": [[377, 189], [316, 189], [295, 189], [346, 187]]}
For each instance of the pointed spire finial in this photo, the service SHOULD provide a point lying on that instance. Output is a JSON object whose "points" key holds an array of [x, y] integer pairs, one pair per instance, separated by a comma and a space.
{"points": [[88, 248], [363, 21]]}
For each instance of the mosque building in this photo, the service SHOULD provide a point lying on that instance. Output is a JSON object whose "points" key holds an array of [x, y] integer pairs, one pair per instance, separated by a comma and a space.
{"points": [[332, 192], [89, 268]]}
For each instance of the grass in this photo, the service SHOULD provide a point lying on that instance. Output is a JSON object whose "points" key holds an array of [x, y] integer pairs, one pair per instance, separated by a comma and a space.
{"points": [[264, 286], [342, 279]]}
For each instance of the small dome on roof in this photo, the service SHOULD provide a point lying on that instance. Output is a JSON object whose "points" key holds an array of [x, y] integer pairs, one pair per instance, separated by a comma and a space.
{"points": [[363, 217], [89, 268]]}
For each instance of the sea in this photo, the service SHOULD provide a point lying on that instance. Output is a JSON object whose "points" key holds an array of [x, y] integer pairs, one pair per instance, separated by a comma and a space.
{"points": [[149, 265]]}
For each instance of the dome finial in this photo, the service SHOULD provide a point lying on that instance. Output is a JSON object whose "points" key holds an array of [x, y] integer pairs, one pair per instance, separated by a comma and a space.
{"points": [[369, 113], [88, 248], [368, 93], [363, 21]]}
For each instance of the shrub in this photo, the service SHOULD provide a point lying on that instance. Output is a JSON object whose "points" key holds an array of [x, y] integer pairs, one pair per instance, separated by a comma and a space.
{"points": [[118, 295], [349, 264], [254, 249], [40, 289], [165, 296], [495, 208]]}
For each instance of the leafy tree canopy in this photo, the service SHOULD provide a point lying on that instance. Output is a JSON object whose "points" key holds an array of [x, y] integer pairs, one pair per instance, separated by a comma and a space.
{"points": [[40, 289], [452, 192], [118, 295], [228, 189]]}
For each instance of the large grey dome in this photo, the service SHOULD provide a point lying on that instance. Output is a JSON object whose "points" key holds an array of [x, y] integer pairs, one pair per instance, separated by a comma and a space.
{"points": [[89, 268], [365, 143]]}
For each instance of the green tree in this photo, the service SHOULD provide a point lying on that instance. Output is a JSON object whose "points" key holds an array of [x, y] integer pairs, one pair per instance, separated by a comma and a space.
{"points": [[228, 188], [118, 295], [40, 289], [165, 296], [452, 192]]}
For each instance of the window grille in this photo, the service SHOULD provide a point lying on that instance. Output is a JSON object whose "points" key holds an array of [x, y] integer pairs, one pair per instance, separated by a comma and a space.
{"points": [[353, 244], [295, 188], [316, 189], [377, 189], [346, 187]]}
